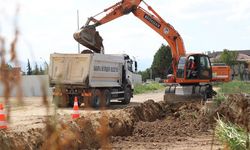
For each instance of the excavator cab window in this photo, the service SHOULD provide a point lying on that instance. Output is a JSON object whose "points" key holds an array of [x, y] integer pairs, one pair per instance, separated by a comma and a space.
{"points": [[205, 68], [181, 66], [191, 67], [198, 67]]}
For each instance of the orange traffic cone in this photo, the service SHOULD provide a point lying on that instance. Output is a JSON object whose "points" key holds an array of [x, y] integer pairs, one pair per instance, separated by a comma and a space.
{"points": [[75, 109], [3, 123]]}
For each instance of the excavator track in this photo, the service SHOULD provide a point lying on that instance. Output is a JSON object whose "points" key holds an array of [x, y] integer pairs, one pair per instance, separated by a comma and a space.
{"points": [[90, 38]]}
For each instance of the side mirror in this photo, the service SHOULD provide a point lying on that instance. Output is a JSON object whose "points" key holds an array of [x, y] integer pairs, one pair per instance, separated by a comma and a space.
{"points": [[135, 66]]}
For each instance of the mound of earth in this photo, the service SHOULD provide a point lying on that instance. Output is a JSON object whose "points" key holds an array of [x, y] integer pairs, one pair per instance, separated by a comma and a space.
{"points": [[88, 132], [236, 109], [146, 123], [181, 120], [56, 135]]}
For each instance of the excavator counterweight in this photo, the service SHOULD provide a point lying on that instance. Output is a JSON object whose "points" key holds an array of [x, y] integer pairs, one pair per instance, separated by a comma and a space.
{"points": [[90, 38]]}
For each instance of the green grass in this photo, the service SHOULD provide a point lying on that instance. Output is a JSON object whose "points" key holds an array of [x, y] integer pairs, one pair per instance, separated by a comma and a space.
{"points": [[234, 137], [234, 87], [144, 88], [219, 98]]}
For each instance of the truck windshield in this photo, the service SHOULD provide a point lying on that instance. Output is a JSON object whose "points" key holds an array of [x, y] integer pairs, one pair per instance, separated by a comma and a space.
{"points": [[130, 65]]}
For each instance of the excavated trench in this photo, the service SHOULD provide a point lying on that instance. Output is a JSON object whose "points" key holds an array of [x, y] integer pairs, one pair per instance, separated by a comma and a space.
{"points": [[146, 122]]}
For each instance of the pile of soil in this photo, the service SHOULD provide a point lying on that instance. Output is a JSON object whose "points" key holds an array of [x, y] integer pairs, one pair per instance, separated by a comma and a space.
{"points": [[236, 109], [88, 132], [181, 120], [122, 123], [56, 135], [144, 123]]}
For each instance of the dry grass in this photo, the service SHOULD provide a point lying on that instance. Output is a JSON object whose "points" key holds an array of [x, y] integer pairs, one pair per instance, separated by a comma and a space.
{"points": [[9, 78]]}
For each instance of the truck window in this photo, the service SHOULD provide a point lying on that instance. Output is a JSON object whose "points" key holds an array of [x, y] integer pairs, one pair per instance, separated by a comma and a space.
{"points": [[130, 65]]}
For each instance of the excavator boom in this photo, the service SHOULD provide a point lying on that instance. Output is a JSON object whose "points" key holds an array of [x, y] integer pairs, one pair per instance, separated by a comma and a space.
{"points": [[89, 37]]}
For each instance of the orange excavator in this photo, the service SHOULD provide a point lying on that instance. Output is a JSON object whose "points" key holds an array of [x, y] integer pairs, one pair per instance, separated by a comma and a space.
{"points": [[192, 74]]}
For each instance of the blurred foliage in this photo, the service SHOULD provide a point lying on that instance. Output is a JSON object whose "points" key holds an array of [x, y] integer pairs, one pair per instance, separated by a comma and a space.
{"points": [[233, 136]]}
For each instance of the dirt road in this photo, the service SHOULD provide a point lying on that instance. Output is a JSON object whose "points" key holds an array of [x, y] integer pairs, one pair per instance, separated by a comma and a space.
{"points": [[146, 135], [33, 113]]}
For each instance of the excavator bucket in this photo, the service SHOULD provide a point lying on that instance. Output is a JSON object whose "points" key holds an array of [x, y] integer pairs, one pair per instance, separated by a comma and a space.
{"points": [[90, 38]]}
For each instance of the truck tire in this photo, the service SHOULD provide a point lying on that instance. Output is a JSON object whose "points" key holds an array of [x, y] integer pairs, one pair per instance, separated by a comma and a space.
{"points": [[107, 95], [96, 98], [127, 95]]}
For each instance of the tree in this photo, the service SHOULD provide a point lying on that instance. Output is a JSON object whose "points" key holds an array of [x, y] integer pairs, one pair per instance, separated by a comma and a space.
{"points": [[145, 74], [161, 65], [228, 57], [36, 70], [41, 71], [29, 69], [46, 67]]}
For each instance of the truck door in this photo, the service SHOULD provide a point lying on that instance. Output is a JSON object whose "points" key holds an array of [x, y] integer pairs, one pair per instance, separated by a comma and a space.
{"points": [[129, 71]]}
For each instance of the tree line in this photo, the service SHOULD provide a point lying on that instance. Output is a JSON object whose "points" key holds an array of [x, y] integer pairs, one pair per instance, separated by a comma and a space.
{"points": [[37, 70]]}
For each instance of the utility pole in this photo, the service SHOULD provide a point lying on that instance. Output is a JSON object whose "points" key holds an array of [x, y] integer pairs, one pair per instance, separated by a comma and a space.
{"points": [[78, 29]]}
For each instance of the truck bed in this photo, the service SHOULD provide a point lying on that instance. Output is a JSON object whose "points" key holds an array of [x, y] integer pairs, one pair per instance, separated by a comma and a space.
{"points": [[92, 70]]}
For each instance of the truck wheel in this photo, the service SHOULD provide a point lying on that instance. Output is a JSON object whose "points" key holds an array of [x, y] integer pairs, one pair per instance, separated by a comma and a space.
{"points": [[96, 99], [107, 95], [127, 95]]}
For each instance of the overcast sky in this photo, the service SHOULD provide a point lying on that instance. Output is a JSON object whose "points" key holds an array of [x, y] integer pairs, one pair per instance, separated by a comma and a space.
{"points": [[47, 26]]}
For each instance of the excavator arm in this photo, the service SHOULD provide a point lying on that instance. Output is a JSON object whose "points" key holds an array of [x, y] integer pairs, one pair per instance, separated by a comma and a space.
{"points": [[89, 37]]}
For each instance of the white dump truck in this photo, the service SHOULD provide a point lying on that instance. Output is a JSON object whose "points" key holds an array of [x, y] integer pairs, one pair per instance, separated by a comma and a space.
{"points": [[95, 79]]}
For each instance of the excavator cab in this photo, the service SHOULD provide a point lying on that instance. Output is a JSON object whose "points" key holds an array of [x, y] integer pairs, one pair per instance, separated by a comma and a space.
{"points": [[195, 68], [193, 75]]}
